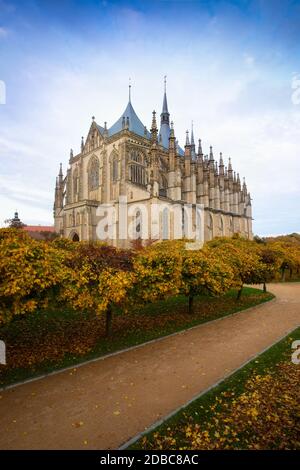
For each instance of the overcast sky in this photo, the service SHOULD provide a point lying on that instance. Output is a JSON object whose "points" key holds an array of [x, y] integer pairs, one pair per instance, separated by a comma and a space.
{"points": [[230, 67]]}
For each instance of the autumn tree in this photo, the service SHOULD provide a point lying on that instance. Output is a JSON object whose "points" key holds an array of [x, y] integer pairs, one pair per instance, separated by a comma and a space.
{"points": [[99, 279], [204, 273], [158, 272], [31, 273]]}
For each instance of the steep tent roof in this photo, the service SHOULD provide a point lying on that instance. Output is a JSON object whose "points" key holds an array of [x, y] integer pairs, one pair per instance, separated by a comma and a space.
{"points": [[135, 124]]}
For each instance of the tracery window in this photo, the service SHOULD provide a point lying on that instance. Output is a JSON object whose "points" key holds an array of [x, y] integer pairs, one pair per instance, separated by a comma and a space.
{"points": [[137, 168], [75, 182], [115, 169], [163, 185], [93, 173]]}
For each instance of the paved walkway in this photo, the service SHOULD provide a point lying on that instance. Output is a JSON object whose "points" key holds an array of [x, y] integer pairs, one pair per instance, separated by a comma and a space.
{"points": [[103, 404]]}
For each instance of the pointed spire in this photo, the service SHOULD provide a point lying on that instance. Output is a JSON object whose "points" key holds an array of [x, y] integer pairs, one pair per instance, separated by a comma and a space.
{"points": [[165, 115], [238, 181], [71, 153], [154, 129], [172, 148], [82, 144], [193, 147], [105, 129], [187, 139], [172, 134], [221, 160], [200, 152], [230, 172], [192, 135], [221, 165], [60, 174]]}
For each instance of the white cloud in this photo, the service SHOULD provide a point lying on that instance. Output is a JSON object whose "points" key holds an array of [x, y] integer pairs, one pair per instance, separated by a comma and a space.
{"points": [[3, 32]]}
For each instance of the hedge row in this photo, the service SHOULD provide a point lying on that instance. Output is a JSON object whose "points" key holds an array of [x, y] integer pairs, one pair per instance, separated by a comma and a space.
{"points": [[96, 277]]}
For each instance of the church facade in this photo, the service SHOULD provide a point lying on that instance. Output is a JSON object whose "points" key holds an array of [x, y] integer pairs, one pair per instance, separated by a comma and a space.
{"points": [[147, 173]]}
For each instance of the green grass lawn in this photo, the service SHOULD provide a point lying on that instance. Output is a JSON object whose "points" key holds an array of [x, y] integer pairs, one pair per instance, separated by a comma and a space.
{"points": [[51, 340], [255, 408]]}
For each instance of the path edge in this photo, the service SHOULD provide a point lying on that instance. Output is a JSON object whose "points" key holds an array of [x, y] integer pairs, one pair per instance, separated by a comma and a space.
{"points": [[131, 348], [161, 421]]}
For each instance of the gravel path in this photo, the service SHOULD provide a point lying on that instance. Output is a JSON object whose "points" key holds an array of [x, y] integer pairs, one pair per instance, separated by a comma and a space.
{"points": [[103, 404]]}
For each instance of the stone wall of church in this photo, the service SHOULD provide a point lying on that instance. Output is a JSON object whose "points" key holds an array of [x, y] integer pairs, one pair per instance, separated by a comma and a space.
{"points": [[126, 165]]}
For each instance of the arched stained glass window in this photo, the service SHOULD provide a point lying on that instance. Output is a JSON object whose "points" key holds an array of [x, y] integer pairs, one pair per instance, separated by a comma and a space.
{"points": [[93, 173]]}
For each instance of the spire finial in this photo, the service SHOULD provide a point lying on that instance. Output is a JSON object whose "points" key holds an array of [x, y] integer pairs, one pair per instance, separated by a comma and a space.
{"points": [[165, 83], [93, 118], [129, 89]]}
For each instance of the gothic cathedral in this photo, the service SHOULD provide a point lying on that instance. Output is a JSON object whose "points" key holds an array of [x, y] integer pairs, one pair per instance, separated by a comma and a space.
{"points": [[149, 169]]}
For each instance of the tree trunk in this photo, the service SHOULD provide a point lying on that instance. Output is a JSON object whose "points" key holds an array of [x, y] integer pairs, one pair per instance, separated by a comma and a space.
{"points": [[108, 325], [239, 294], [265, 287], [191, 304], [283, 274]]}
